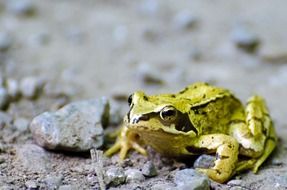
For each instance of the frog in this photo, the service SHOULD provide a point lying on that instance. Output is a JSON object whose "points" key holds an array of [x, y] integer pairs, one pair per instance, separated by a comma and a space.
{"points": [[200, 119]]}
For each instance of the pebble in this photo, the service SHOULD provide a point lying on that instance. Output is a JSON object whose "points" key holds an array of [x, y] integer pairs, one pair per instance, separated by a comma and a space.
{"points": [[76, 127], [4, 98], [235, 182], [163, 186], [149, 169], [33, 158], [21, 8], [191, 179], [21, 124], [245, 40], [115, 176], [134, 176], [12, 88], [31, 185], [5, 119], [204, 161], [120, 35], [30, 87], [53, 182], [148, 75], [5, 41], [273, 54], [184, 20]]}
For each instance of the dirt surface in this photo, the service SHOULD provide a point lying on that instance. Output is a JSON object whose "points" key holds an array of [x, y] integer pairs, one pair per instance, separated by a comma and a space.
{"points": [[88, 49]]}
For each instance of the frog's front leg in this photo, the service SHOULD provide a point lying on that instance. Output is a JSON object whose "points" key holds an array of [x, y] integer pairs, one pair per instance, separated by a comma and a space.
{"points": [[226, 148], [255, 134], [126, 140]]}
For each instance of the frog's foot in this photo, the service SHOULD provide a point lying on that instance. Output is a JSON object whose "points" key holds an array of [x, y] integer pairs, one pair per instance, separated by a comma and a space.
{"points": [[226, 148], [256, 134], [124, 143]]}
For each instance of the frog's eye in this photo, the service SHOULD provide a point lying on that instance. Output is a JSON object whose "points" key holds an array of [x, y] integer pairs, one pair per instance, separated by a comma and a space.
{"points": [[130, 99], [168, 113]]}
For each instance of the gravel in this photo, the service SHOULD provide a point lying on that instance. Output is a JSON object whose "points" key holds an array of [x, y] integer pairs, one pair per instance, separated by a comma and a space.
{"points": [[191, 179], [31, 185], [76, 127], [53, 182]]}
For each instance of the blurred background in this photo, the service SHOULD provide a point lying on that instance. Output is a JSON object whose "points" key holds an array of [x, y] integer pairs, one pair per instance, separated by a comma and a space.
{"points": [[114, 47]]}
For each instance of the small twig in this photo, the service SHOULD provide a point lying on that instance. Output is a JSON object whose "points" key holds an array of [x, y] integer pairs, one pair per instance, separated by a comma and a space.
{"points": [[97, 162]]}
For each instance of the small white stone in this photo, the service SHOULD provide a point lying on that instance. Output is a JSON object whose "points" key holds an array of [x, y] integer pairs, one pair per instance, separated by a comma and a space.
{"points": [[134, 175]]}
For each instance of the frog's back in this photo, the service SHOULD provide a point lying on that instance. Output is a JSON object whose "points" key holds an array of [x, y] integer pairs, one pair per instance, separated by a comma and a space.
{"points": [[211, 108]]}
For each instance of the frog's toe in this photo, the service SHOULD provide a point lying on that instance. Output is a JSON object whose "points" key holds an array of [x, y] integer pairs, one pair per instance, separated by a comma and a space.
{"points": [[139, 148], [114, 149], [214, 174]]}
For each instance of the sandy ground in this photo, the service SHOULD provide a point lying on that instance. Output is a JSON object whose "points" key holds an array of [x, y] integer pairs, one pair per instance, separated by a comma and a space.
{"points": [[109, 48]]}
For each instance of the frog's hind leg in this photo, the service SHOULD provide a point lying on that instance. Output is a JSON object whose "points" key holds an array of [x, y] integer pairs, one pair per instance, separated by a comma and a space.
{"points": [[255, 135]]}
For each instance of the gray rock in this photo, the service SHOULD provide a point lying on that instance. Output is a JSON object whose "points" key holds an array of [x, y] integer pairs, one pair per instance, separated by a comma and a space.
{"points": [[21, 8], [149, 169], [5, 41], [190, 179], [68, 187], [21, 124], [245, 39], [75, 127], [184, 20], [33, 158], [31, 185], [4, 98], [12, 88], [116, 114], [134, 176], [115, 176], [30, 87], [204, 161], [53, 182]]}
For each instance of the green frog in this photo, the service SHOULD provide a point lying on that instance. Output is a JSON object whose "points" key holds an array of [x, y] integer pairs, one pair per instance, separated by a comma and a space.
{"points": [[200, 119]]}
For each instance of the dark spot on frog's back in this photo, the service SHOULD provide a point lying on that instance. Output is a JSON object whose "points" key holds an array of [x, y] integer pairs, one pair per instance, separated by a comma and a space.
{"points": [[145, 98], [183, 91]]}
